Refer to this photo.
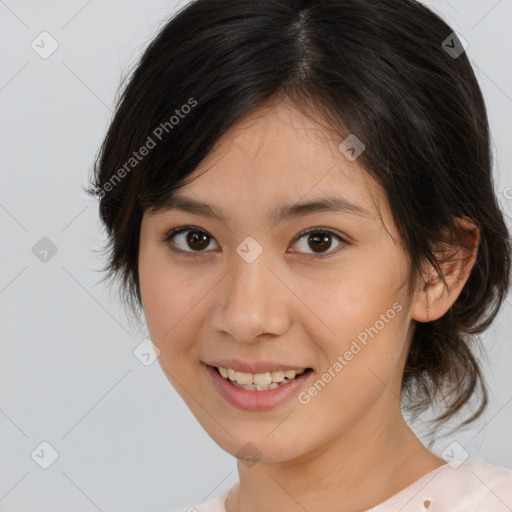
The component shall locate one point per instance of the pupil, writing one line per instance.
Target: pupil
(196, 234)
(323, 239)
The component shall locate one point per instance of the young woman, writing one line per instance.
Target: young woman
(299, 197)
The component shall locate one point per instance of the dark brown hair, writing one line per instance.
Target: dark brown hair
(384, 70)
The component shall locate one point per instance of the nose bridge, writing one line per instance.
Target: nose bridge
(251, 302)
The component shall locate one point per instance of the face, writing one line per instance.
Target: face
(313, 288)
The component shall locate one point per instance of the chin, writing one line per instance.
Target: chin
(256, 444)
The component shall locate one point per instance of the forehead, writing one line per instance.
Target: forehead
(276, 165)
(277, 152)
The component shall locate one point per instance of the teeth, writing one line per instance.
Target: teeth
(252, 387)
(259, 381)
(278, 376)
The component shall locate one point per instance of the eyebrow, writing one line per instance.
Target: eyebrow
(277, 215)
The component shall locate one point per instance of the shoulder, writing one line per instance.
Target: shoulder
(212, 505)
(471, 486)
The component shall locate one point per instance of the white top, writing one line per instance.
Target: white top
(473, 486)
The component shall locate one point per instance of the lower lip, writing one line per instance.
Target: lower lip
(256, 400)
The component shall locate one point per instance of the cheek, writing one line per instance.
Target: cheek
(352, 305)
(167, 297)
(365, 339)
(166, 314)
(356, 376)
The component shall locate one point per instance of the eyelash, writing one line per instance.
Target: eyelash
(183, 229)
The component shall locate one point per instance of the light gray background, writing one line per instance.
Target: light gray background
(125, 440)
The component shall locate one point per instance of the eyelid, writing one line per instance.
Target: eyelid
(180, 229)
(321, 229)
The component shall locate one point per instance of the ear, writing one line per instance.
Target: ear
(433, 298)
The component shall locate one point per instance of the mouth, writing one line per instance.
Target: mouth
(260, 381)
(260, 391)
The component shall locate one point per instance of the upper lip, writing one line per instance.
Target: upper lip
(254, 366)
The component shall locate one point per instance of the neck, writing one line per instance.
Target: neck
(361, 468)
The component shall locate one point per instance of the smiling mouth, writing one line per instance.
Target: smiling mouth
(260, 381)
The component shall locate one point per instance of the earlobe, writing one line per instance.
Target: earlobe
(426, 298)
(421, 312)
(457, 261)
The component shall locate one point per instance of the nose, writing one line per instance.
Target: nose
(252, 301)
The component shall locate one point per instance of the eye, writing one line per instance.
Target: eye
(194, 237)
(320, 239)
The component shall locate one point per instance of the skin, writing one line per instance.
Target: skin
(350, 444)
